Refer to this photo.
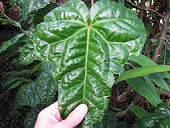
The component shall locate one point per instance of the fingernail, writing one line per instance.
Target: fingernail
(82, 108)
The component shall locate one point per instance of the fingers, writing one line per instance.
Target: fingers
(75, 117)
(52, 112)
(48, 116)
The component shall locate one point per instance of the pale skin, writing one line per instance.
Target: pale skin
(50, 117)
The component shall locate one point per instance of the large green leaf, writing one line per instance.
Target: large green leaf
(89, 47)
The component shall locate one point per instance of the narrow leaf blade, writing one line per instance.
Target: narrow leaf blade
(11, 80)
(10, 42)
(142, 71)
(9, 21)
(149, 82)
(159, 80)
(145, 61)
(139, 112)
(145, 90)
(14, 85)
(142, 60)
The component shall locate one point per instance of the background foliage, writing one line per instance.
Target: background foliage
(18, 80)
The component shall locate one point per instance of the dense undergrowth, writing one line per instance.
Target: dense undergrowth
(139, 97)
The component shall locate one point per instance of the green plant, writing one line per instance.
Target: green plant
(16, 77)
(89, 48)
(39, 93)
(85, 50)
(36, 89)
(159, 119)
(147, 78)
(150, 71)
(28, 7)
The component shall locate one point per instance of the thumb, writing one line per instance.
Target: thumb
(75, 117)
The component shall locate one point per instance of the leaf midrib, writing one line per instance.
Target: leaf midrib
(85, 68)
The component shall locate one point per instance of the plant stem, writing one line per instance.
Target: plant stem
(163, 34)
(124, 94)
(133, 103)
(146, 9)
(164, 56)
(142, 11)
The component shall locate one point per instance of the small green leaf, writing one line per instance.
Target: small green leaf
(140, 86)
(159, 80)
(21, 89)
(137, 72)
(149, 27)
(9, 21)
(10, 42)
(145, 61)
(11, 80)
(29, 6)
(14, 85)
(154, 40)
(142, 60)
(149, 82)
(139, 112)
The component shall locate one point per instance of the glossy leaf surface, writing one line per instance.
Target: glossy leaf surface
(29, 6)
(89, 47)
(159, 119)
(42, 91)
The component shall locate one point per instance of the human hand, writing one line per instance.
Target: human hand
(50, 117)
